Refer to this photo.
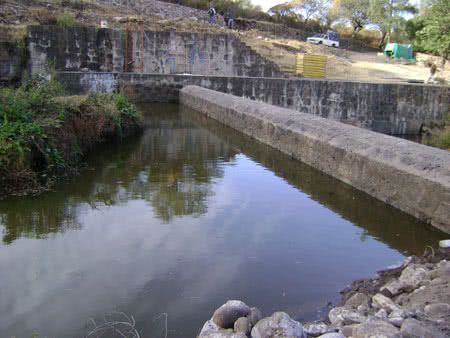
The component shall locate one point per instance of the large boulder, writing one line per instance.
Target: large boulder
(255, 315)
(211, 330)
(279, 325)
(228, 313)
(341, 315)
(316, 329)
(377, 328)
(380, 301)
(243, 325)
(358, 300)
(411, 278)
(412, 328)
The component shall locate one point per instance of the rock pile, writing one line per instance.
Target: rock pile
(235, 319)
(411, 301)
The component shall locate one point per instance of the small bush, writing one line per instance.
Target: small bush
(66, 19)
(43, 16)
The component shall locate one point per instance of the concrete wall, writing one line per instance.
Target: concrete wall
(92, 49)
(10, 62)
(409, 176)
(396, 109)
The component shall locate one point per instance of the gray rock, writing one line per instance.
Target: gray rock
(209, 327)
(332, 335)
(411, 278)
(442, 270)
(316, 329)
(211, 330)
(445, 244)
(413, 274)
(381, 314)
(396, 319)
(373, 328)
(357, 300)
(243, 325)
(437, 310)
(412, 328)
(348, 330)
(223, 334)
(228, 313)
(255, 315)
(279, 325)
(339, 315)
(380, 301)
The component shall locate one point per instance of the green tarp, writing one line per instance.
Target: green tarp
(398, 50)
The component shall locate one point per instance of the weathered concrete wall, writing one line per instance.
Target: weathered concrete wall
(74, 49)
(10, 62)
(92, 49)
(396, 109)
(409, 176)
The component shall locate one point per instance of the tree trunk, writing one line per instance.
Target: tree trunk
(383, 37)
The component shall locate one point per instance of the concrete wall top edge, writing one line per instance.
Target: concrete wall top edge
(291, 79)
(411, 157)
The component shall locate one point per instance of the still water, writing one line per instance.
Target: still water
(180, 219)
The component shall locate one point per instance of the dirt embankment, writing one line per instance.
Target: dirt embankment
(43, 135)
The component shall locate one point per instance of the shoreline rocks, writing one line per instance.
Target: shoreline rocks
(411, 301)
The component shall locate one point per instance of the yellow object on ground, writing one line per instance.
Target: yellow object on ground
(312, 65)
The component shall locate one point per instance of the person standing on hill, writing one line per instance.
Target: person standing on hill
(212, 14)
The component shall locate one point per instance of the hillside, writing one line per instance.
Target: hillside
(278, 43)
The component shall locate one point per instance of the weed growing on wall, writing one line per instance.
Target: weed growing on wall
(66, 19)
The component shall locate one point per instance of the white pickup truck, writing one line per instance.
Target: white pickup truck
(330, 39)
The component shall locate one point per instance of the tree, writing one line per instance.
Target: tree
(354, 11)
(388, 15)
(281, 10)
(433, 34)
(311, 8)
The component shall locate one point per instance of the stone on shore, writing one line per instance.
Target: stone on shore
(279, 325)
(243, 325)
(332, 335)
(228, 313)
(255, 315)
(341, 315)
(375, 328)
(412, 328)
(316, 329)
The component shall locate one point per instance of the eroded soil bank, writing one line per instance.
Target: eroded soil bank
(44, 134)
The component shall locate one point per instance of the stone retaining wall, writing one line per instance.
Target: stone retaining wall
(93, 49)
(411, 177)
(396, 109)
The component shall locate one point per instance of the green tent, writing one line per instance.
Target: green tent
(398, 50)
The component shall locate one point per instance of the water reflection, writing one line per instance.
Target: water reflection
(376, 219)
(181, 218)
(171, 165)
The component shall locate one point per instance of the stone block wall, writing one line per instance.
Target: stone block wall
(395, 109)
(74, 49)
(103, 50)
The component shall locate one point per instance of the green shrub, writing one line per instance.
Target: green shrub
(43, 134)
(66, 19)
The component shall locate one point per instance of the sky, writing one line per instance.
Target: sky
(266, 4)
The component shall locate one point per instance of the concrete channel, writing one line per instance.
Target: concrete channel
(411, 177)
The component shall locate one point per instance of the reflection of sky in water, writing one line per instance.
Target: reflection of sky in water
(256, 238)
